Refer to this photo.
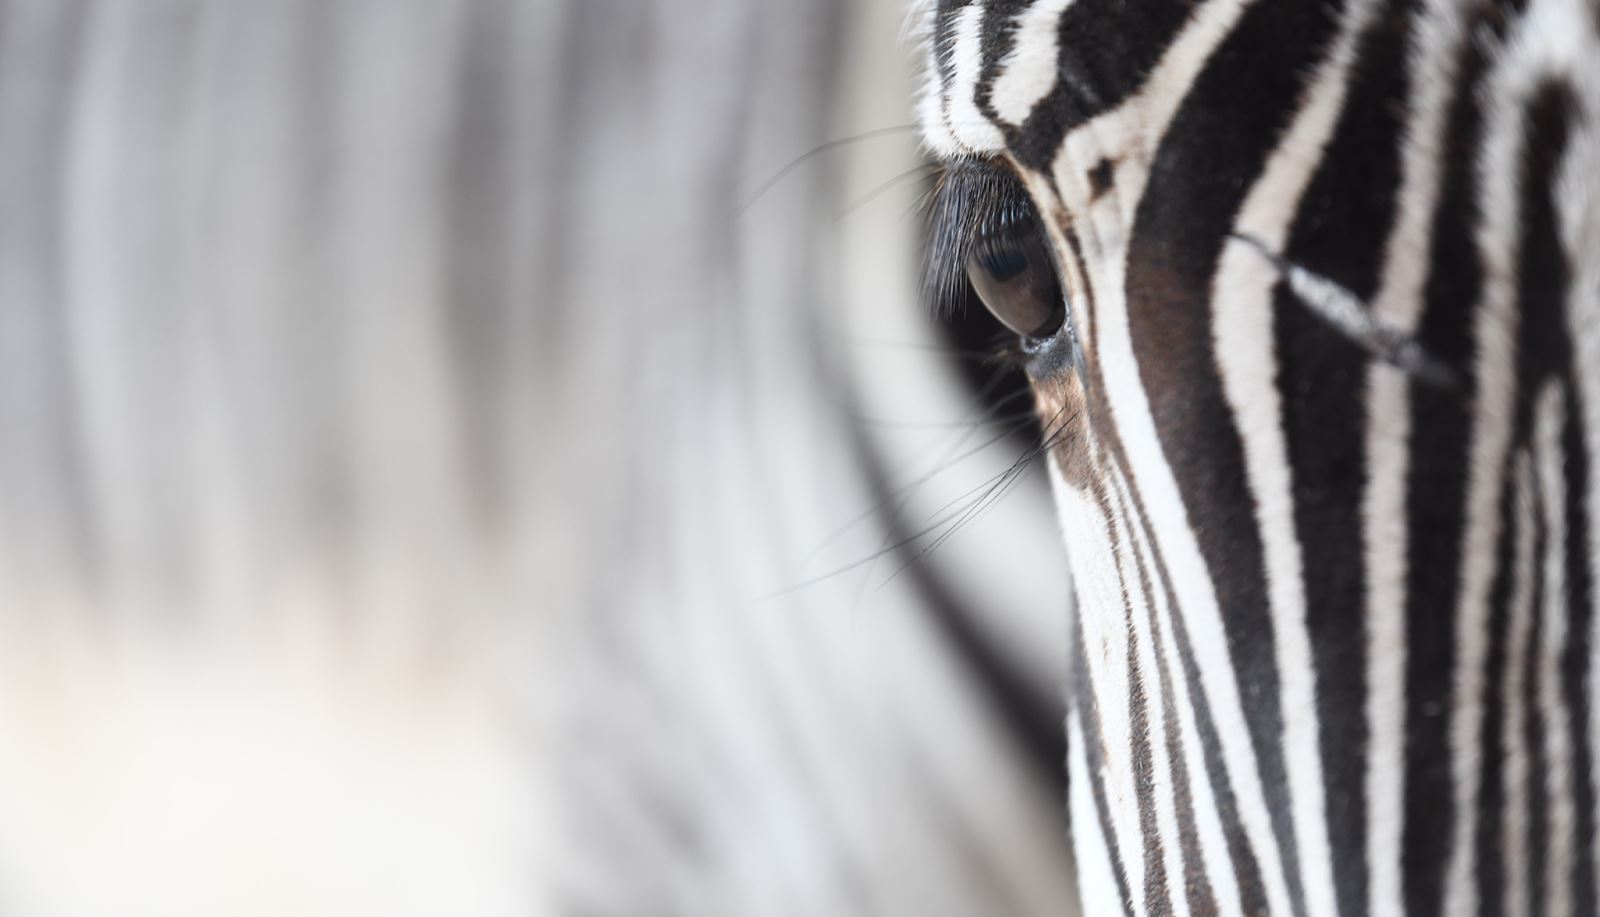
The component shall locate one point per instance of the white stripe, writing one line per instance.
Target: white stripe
(1218, 865)
(1514, 838)
(1385, 539)
(1554, 37)
(1135, 552)
(1097, 882)
(1197, 600)
(1105, 653)
(1560, 827)
(1246, 356)
(1129, 133)
(967, 124)
(1133, 127)
(1398, 303)
(1578, 200)
(1032, 68)
(1495, 333)
(922, 26)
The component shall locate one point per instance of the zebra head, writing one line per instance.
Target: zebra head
(1309, 295)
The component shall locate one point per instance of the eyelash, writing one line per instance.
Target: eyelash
(971, 199)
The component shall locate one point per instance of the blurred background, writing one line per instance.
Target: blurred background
(487, 457)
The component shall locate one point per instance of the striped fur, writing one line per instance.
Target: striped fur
(1334, 272)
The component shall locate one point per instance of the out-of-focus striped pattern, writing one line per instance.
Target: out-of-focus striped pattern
(397, 432)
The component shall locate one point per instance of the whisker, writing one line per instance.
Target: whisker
(998, 489)
(915, 172)
(818, 150)
(1014, 419)
(894, 501)
(997, 486)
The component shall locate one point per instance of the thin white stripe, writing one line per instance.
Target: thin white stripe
(1514, 838)
(1578, 199)
(1105, 650)
(1130, 129)
(970, 127)
(1560, 828)
(1197, 600)
(923, 27)
(1097, 882)
(1218, 865)
(1144, 645)
(1553, 37)
(1495, 333)
(1128, 134)
(1384, 512)
(1399, 303)
(1246, 356)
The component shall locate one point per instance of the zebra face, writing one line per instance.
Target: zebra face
(1321, 399)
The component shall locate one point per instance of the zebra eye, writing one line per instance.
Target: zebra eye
(1012, 272)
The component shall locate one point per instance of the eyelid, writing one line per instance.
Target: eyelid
(970, 197)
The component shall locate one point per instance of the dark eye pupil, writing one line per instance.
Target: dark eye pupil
(1012, 273)
(1004, 264)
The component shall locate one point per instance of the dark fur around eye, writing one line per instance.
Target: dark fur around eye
(971, 199)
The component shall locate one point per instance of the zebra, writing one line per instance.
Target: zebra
(1309, 297)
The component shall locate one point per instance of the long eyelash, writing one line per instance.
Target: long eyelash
(970, 199)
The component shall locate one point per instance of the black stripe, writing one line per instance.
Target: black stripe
(1083, 298)
(999, 36)
(1108, 48)
(1543, 288)
(1212, 153)
(1489, 864)
(1532, 736)
(1542, 350)
(1141, 755)
(1093, 741)
(1252, 891)
(1197, 886)
(1436, 491)
(1545, 348)
(1341, 232)
(1575, 656)
(1247, 871)
(1143, 761)
(942, 40)
(1544, 345)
